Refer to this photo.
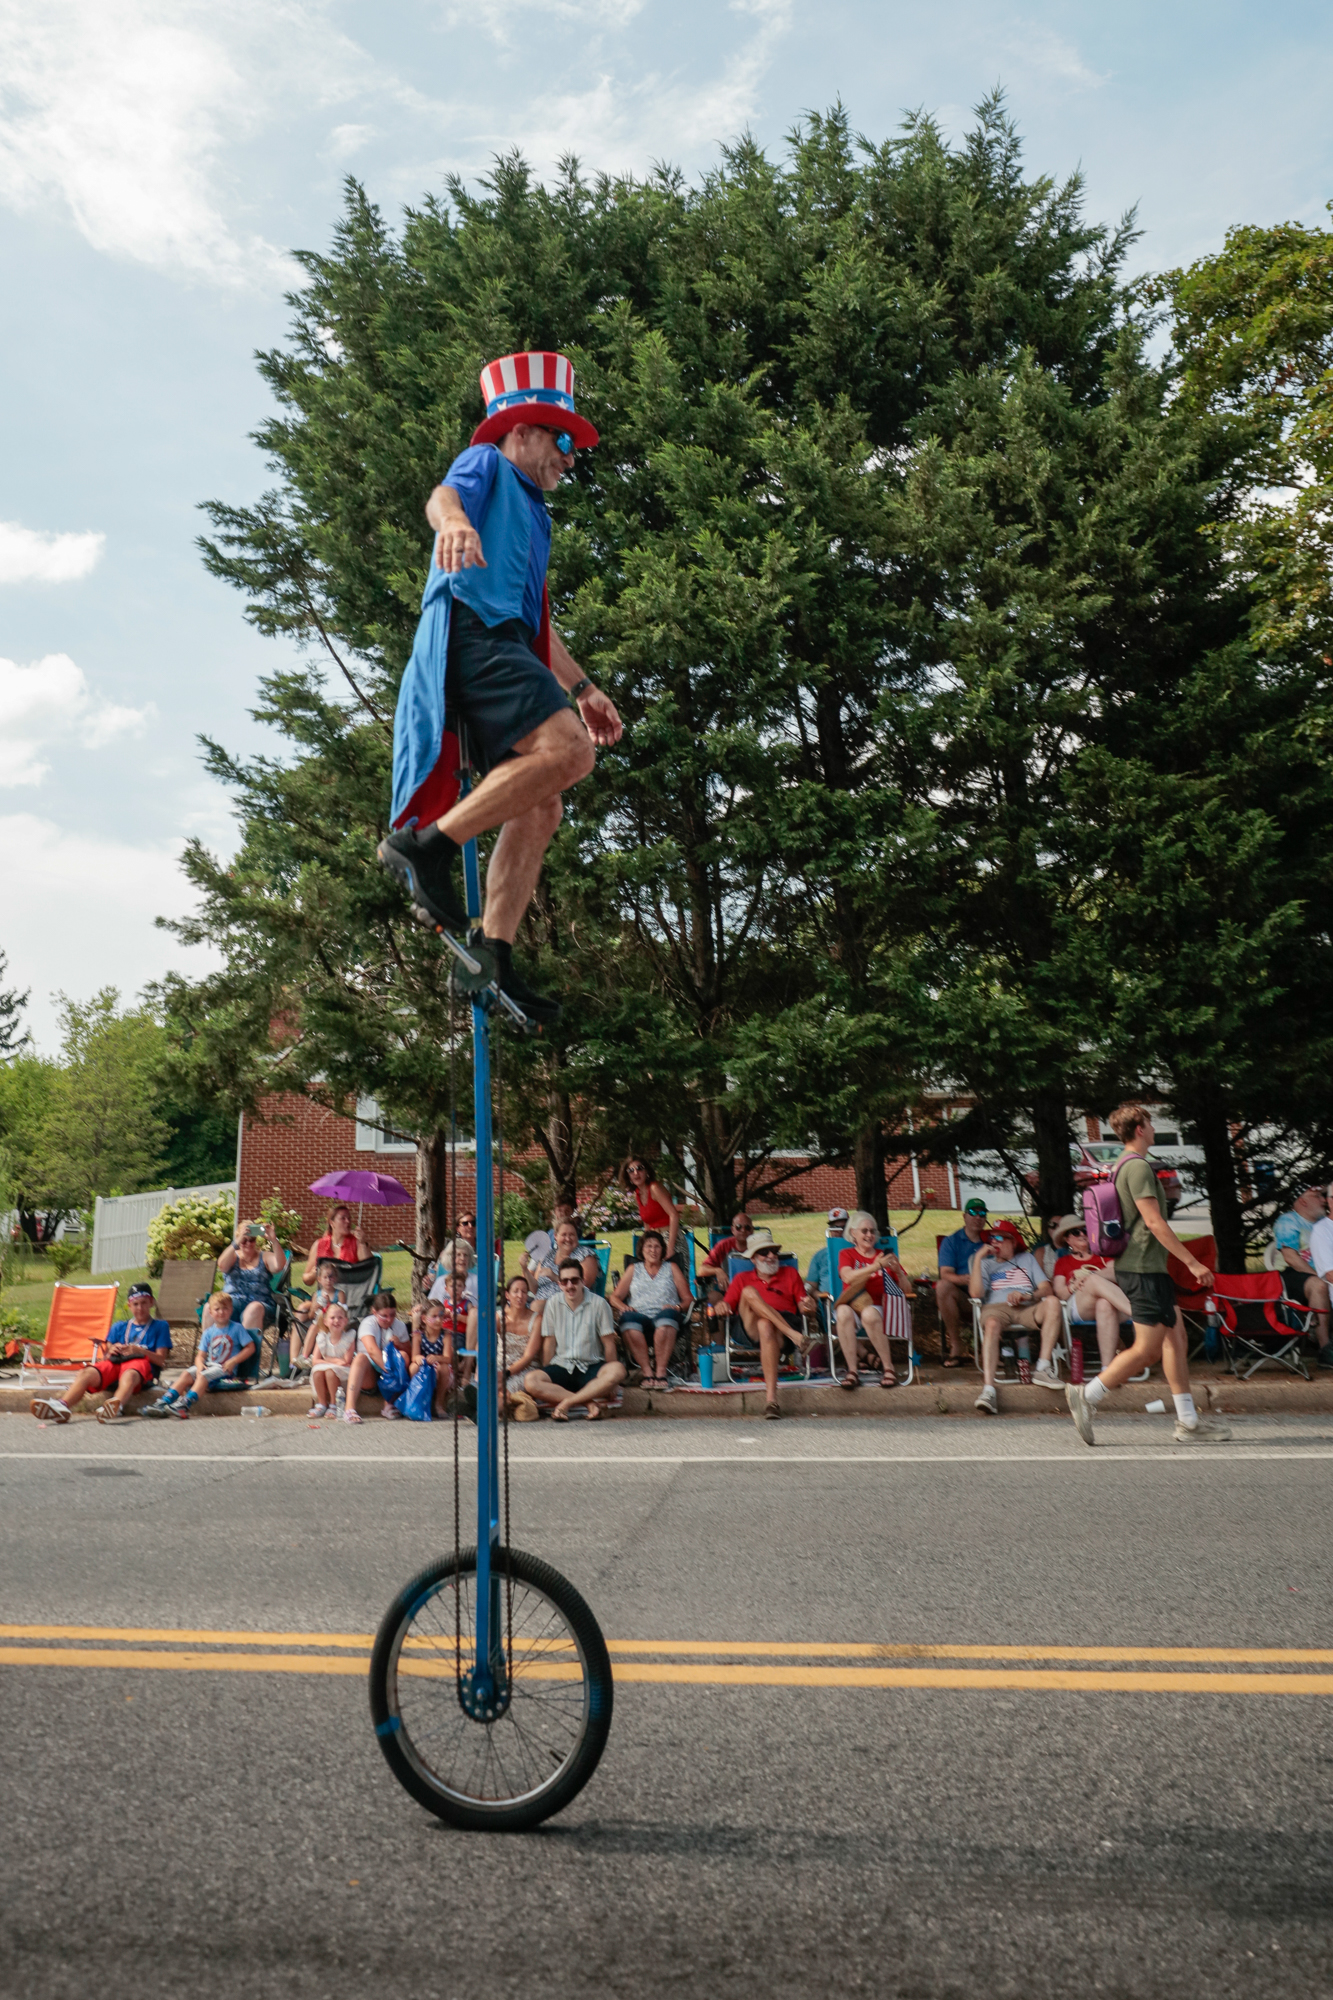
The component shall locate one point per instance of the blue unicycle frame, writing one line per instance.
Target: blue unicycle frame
(486, 1685)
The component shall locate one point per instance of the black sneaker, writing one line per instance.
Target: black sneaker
(425, 867)
(537, 1006)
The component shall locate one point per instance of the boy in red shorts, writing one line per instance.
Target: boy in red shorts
(135, 1351)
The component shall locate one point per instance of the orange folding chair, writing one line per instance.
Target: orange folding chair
(76, 1330)
(1256, 1313)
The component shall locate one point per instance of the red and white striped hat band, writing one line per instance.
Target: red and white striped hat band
(530, 388)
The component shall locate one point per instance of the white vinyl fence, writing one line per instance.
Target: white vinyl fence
(120, 1223)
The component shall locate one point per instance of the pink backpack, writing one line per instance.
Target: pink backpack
(1103, 1214)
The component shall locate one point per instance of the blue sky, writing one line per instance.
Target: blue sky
(159, 158)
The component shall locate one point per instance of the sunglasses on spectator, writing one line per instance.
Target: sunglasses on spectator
(564, 443)
(571, 1281)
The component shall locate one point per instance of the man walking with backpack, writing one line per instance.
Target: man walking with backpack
(1142, 1274)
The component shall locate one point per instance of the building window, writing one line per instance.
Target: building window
(373, 1135)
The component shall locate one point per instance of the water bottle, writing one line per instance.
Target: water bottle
(255, 1410)
(1075, 1360)
(1212, 1339)
(1006, 1361)
(1024, 1347)
(705, 1367)
(340, 1401)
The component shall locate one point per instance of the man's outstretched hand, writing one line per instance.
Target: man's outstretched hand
(458, 546)
(600, 718)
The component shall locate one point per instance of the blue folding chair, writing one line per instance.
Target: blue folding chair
(600, 1248)
(735, 1339)
(897, 1325)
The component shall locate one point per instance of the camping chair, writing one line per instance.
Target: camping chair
(1085, 1330)
(1254, 1309)
(182, 1289)
(897, 1311)
(740, 1349)
(600, 1248)
(686, 1334)
(359, 1282)
(76, 1335)
(1193, 1303)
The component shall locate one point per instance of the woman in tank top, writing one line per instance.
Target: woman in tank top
(657, 1210)
(652, 1293)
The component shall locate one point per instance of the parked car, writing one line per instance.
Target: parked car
(1093, 1158)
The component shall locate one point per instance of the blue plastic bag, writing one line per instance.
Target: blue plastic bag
(420, 1395)
(393, 1375)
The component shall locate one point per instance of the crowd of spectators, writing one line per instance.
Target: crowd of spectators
(566, 1346)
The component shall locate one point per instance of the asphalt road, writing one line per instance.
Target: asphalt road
(234, 1832)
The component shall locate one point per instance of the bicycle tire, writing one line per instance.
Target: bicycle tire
(436, 1752)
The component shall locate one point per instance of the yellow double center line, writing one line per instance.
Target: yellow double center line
(709, 1662)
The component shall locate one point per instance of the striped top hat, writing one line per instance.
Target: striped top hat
(531, 389)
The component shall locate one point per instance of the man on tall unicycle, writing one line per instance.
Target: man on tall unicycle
(486, 659)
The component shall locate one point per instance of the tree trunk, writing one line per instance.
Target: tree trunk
(715, 1164)
(1219, 1167)
(872, 1192)
(432, 1212)
(1055, 1168)
(557, 1142)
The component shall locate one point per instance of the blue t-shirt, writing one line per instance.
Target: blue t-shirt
(1292, 1232)
(221, 1343)
(957, 1252)
(817, 1276)
(472, 476)
(157, 1335)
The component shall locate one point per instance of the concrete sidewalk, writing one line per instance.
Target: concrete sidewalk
(935, 1393)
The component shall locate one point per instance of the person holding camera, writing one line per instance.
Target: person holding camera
(246, 1265)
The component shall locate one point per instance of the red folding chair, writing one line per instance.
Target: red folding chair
(1193, 1303)
(1255, 1314)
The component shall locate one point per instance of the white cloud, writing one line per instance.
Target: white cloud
(1033, 46)
(49, 702)
(624, 116)
(85, 917)
(123, 114)
(345, 140)
(29, 556)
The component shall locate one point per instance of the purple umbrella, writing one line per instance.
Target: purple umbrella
(380, 1190)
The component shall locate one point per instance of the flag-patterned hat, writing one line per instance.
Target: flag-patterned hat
(531, 389)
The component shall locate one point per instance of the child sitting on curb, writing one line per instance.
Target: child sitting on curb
(223, 1345)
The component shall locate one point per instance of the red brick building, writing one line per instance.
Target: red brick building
(295, 1142)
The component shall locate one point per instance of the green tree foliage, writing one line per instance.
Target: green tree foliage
(960, 747)
(101, 1133)
(12, 1002)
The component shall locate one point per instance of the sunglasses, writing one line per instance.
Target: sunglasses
(571, 1281)
(564, 443)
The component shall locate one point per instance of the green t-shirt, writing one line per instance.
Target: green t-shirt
(1142, 1251)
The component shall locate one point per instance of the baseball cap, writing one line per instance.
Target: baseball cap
(140, 1291)
(1007, 1228)
(837, 1215)
(974, 1207)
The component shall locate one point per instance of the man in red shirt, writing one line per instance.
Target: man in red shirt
(767, 1298)
(712, 1272)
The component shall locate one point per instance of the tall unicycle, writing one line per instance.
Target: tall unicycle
(490, 1682)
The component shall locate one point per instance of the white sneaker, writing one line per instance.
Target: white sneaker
(1206, 1431)
(1080, 1410)
(1046, 1378)
(49, 1410)
(988, 1401)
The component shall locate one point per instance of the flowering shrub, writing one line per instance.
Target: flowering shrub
(614, 1208)
(286, 1221)
(193, 1228)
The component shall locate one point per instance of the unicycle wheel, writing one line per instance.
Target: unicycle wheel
(514, 1771)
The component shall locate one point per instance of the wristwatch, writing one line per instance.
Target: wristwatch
(579, 687)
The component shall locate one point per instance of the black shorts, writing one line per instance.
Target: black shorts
(573, 1379)
(495, 686)
(1151, 1295)
(1294, 1283)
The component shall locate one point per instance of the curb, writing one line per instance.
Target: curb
(935, 1394)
